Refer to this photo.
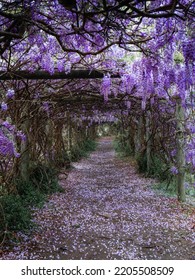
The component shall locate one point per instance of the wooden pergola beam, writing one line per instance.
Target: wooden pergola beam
(43, 75)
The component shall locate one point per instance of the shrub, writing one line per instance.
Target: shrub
(142, 162)
(90, 145)
(63, 160)
(30, 194)
(122, 149)
(83, 149)
(15, 209)
(166, 188)
(44, 179)
(15, 215)
(159, 169)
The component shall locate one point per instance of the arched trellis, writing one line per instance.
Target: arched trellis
(65, 114)
(38, 37)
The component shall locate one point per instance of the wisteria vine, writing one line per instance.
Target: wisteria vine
(150, 46)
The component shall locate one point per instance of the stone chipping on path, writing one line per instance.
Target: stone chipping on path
(108, 211)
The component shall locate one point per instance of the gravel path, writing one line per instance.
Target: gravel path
(108, 211)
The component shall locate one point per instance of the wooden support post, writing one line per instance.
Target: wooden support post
(49, 142)
(148, 141)
(69, 134)
(180, 156)
(25, 156)
(138, 135)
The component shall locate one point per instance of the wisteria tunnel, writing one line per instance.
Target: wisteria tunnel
(97, 104)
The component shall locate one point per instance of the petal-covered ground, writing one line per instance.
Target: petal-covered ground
(108, 211)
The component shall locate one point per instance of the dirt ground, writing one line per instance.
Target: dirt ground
(108, 211)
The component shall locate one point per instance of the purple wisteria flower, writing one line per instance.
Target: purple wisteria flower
(174, 170)
(67, 67)
(21, 135)
(17, 155)
(45, 106)
(4, 106)
(10, 93)
(173, 153)
(7, 147)
(9, 126)
(128, 104)
(192, 129)
(106, 87)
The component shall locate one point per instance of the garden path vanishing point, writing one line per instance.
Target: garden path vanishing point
(108, 211)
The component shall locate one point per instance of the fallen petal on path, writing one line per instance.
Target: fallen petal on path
(108, 211)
